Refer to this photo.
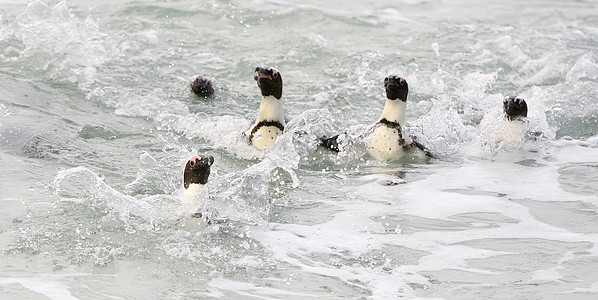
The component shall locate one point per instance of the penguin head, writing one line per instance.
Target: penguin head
(396, 88)
(514, 107)
(197, 170)
(269, 81)
(201, 86)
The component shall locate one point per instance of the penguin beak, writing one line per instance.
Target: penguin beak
(262, 73)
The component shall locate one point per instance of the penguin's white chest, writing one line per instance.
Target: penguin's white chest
(265, 137)
(503, 134)
(384, 143)
(512, 134)
(192, 195)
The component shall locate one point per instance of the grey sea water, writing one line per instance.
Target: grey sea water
(97, 122)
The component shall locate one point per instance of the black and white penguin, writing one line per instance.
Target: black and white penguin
(509, 130)
(201, 86)
(385, 140)
(197, 171)
(270, 121)
(514, 127)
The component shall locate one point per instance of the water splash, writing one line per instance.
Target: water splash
(442, 129)
(499, 134)
(83, 186)
(223, 132)
(51, 40)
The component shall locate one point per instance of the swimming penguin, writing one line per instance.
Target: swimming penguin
(270, 120)
(385, 140)
(507, 131)
(201, 86)
(513, 129)
(197, 171)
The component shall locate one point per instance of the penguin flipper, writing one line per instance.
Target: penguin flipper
(421, 147)
(247, 134)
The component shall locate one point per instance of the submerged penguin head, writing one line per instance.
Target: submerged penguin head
(197, 170)
(396, 88)
(269, 81)
(514, 107)
(201, 86)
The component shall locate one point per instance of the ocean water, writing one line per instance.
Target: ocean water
(97, 122)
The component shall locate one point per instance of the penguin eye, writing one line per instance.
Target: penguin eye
(274, 72)
(192, 163)
(505, 100)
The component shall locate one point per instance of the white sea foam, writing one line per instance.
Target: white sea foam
(592, 290)
(352, 231)
(47, 286)
(249, 290)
